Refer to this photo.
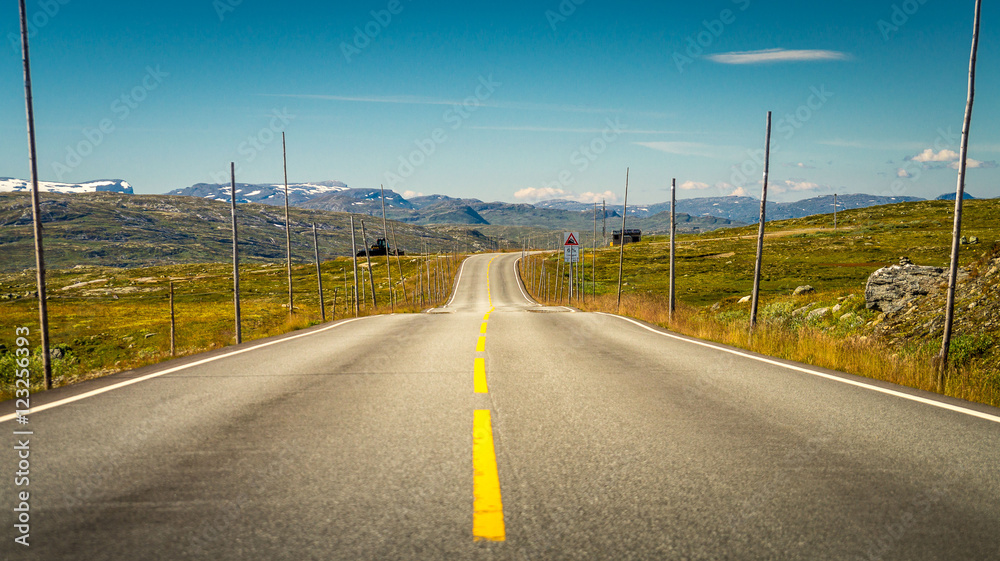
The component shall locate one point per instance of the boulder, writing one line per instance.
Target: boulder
(819, 313)
(803, 290)
(890, 289)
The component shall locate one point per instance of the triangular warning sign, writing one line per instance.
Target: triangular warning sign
(571, 240)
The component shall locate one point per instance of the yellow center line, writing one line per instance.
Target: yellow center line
(481, 345)
(482, 328)
(479, 376)
(487, 514)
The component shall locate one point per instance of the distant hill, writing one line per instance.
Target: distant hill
(741, 209)
(8, 184)
(118, 230)
(700, 214)
(951, 197)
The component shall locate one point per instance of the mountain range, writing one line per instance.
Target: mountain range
(694, 215)
(9, 184)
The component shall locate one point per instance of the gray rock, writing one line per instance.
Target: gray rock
(837, 308)
(818, 314)
(846, 317)
(889, 289)
(804, 309)
(803, 290)
(744, 300)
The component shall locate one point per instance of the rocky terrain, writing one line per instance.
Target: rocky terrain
(913, 298)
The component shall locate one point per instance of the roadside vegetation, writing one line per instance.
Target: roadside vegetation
(829, 326)
(104, 320)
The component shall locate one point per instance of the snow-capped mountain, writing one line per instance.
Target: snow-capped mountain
(8, 184)
(262, 193)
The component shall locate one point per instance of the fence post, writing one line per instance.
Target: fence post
(173, 324)
(236, 258)
(319, 277)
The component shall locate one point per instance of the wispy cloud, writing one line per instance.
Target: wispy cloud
(777, 55)
(417, 100)
(573, 130)
(689, 148)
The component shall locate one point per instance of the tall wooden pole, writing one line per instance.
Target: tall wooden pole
(420, 273)
(354, 256)
(388, 264)
(173, 324)
(593, 259)
(319, 276)
(834, 211)
(36, 211)
(672, 298)
(288, 228)
(621, 250)
(236, 258)
(368, 256)
(347, 293)
(399, 266)
(949, 316)
(760, 231)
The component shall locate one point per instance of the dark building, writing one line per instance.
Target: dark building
(632, 235)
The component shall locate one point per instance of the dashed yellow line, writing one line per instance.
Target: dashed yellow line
(487, 514)
(479, 376)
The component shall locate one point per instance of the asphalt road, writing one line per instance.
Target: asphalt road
(608, 439)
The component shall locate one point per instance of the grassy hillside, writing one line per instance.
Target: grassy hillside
(110, 229)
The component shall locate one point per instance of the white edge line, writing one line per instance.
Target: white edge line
(918, 399)
(517, 277)
(454, 289)
(99, 391)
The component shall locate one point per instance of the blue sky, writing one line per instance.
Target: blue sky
(507, 100)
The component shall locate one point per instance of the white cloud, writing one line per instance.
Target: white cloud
(902, 173)
(739, 192)
(411, 194)
(928, 155)
(777, 55)
(794, 185)
(693, 185)
(589, 197)
(973, 164)
(535, 194)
